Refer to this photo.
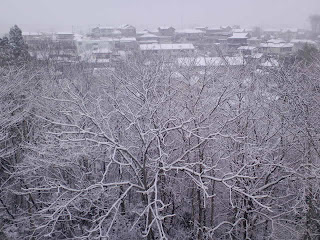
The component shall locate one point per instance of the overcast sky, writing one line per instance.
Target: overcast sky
(34, 15)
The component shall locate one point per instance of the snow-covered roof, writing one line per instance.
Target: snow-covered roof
(276, 41)
(142, 32)
(106, 28)
(257, 55)
(254, 39)
(148, 41)
(149, 35)
(90, 40)
(115, 32)
(238, 30)
(239, 35)
(31, 34)
(215, 29)
(246, 48)
(190, 31)
(64, 33)
(165, 27)
(173, 46)
(126, 26)
(272, 30)
(276, 45)
(128, 39)
(270, 63)
(201, 27)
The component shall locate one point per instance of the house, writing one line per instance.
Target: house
(88, 44)
(127, 30)
(201, 28)
(64, 46)
(276, 47)
(166, 31)
(237, 40)
(276, 40)
(102, 53)
(173, 49)
(101, 58)
(140, 33)
(31, 36)
(254, 41)
(189, 35)
(269, 63)
(32, 39)
(247, 50)
(64, 36)
(217, 35)
(126, 43)
(98, 32)
(148, 38)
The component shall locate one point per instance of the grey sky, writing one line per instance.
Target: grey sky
(33, 15)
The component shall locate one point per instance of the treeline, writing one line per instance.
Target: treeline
(153, 150)
(13, 49)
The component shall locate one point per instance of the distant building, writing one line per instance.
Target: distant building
(87, 45)
(29, 37)
(127, 30)
(126, 43)
(254, 41)
(166, 31)
(64, 36)
(276, 48)
(217, 35)
(237, 40)
(189, 35)
(98, 32)
(148, 38)
(248, 50)
(201, 28)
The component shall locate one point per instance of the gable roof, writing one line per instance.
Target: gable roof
(238, 35)
(190, 31)
(166, 28)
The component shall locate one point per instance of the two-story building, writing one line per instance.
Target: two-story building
(127, 30)
(189, 35)
(237, 40)
(166, 31)
(276, 47)
(148, 38)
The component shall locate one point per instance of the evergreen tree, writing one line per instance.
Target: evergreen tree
(5, 51)
(19, 49)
